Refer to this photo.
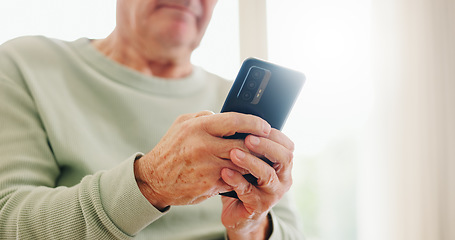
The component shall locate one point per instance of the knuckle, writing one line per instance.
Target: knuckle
(204, 125)
(268, 180)
(183, 117)
(185, 128)
(203, 148)
(291, 146)
(241, 119)
(196, 124)
(258, 124)
(205, 112)
(199, 150)
(235, 124)
(248, 190)
(287, 186)
(286, 182)
(235, 120)
(290, 157)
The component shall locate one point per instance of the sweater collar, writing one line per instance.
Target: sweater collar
(134, 79)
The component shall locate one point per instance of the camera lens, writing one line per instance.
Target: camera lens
(251, 84)
(247, 96)
(257, 74)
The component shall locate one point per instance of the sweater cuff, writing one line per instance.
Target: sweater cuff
(123, 201)
(276, 234)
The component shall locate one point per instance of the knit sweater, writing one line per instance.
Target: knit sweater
(72, 123)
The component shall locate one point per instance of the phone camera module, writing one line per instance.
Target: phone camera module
(257, 74)
(252, 84)
(247, 96)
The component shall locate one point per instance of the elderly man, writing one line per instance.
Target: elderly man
(72, 112)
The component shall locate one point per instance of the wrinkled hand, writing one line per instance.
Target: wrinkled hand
(246, 217)
(185, 166)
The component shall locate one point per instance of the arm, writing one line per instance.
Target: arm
(32, 207)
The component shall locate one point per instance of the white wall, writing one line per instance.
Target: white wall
(72, 19)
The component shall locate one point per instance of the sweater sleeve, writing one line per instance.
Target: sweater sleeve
(105, 205)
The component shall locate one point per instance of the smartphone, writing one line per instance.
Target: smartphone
(266, 90)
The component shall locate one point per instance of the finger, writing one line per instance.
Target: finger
(281, 156)
(222, 147)
(281, 138)
(222, 187)
(221, 164)
(185, 117)
(265, 174)
(204, 113)
(246, 191)
(227, 124)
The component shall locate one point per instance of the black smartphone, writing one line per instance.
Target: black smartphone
(266, 90)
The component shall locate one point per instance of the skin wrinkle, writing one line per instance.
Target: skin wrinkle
(182, 174)
(194, 8)
(194, 140)
(183, 168)
(269, 180)
(163, 50)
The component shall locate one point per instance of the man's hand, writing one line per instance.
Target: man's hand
(246, 217)
(185, 166)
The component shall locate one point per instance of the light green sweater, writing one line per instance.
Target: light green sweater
(71, 125)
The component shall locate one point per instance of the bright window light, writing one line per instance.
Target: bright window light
(328, 41)
(62, 19)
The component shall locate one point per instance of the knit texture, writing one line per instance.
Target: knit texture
(72, 123)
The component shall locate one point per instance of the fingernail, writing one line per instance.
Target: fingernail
(266, 128)
(239, 153)
(254, 140)
(229, 172)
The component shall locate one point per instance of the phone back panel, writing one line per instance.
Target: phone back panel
(265, 90)
(277, 98)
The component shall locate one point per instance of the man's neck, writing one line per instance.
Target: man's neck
(158, 62)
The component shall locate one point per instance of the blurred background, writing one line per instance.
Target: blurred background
(374, 126)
